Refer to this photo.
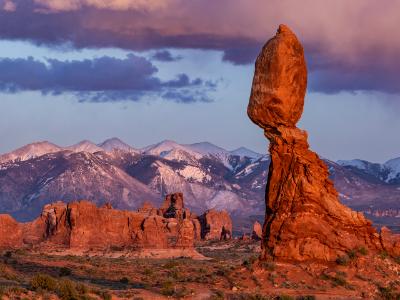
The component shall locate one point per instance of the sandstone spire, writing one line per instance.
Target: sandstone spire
(304, 218)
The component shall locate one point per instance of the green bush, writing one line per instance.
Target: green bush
(43, 282)
(285, 297)
(342, 260)
(363, 251)
(383, 255)
(66, 290)
(168, 288)
(352, 254)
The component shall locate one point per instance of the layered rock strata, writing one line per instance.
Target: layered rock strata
(304, 218)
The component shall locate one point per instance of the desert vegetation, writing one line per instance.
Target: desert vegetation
(231, 270)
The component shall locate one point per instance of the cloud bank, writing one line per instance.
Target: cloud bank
(100, 79)
(350, 45)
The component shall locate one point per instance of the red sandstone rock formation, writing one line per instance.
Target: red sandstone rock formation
(173, 206)
(10, 233)
(257, 231)
(216, 225)
(304, 218)
(82, 226)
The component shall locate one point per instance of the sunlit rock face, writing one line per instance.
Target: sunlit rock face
(304, 218)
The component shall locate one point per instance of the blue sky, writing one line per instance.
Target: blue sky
(193, 86)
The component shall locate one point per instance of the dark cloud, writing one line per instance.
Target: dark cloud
(345, 50)
(100, 79)
(243, 55)
(165, 56)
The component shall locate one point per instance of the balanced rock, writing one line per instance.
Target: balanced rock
(304, 218)
(216, 225)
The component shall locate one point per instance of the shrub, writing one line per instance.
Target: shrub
(44, 282)
(339, 280)
(217, 295)
(342, 260)
(65, 272)
(8, 254)
(103, 294)
(168, 288)
(66, 290)
(363, 251)
(388, 292)
(285, 297)
(383, 255)
(124, 280)
(352, 254)
(270, 266)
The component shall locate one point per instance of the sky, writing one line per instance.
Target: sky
(149, 70)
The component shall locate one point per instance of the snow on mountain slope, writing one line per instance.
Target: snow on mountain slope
(393, 166)
(30, 151)
(378, 171)
(209, 149)
(165, 147)
(357, 163)
(67, 176)
(116, 144)
(243, 151)
(84, 146)
(192, 173)
(183, 156)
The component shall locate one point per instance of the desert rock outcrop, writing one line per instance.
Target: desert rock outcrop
(304, 218)
(216, 225)
(257, 231)
(83, 226)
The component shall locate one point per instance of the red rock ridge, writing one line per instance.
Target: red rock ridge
(83, 226)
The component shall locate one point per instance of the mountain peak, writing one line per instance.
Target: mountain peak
(116, 144)
(85, 146)
(243, 151)
(29, 151)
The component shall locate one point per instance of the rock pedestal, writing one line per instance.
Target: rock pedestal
(304, 218)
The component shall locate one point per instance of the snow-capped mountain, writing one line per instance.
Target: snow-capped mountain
(243, 151)
(30, 151)
(85, 146)
(208, 175)
(116, 144)
(167, 146)
(393, 167)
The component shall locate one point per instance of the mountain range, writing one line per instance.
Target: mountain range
(208, 175)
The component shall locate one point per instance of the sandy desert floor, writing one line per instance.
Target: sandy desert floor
(231, 271)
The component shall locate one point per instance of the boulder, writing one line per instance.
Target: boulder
(304, 218)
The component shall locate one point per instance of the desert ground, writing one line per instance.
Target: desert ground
(228, 270)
